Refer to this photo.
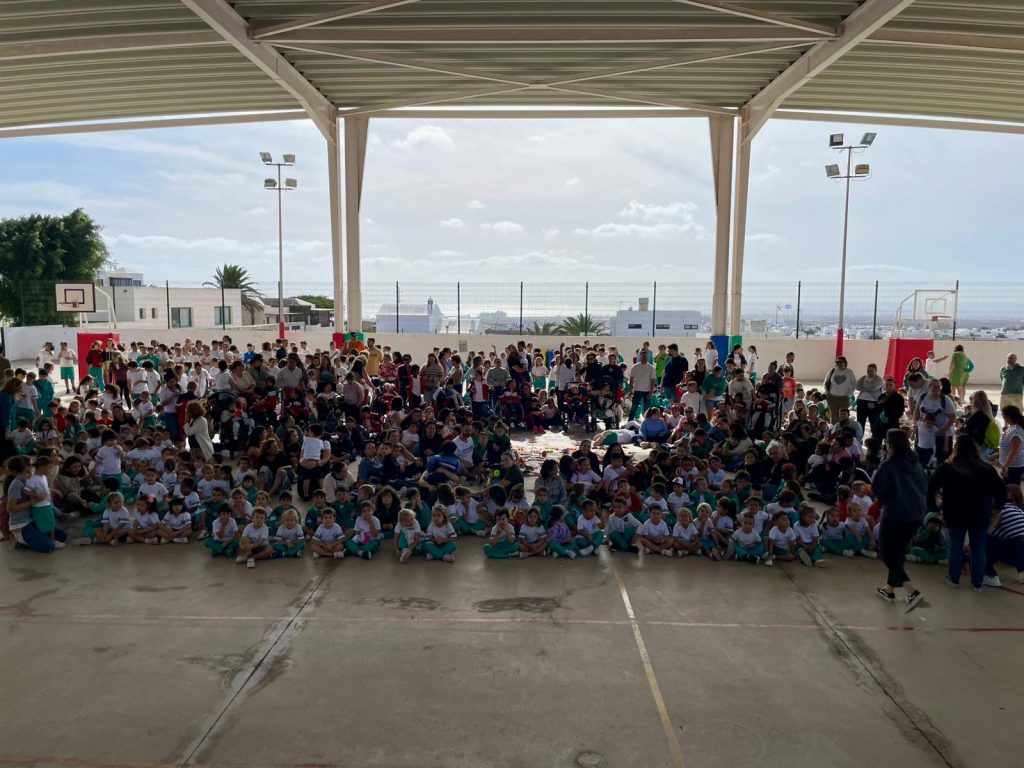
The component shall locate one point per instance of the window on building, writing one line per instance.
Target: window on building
(634, 326)
(152, 313)
(222, 315)
(662, 327)
(181, 317)
(142, 313)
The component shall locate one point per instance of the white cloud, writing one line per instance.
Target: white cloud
(425, 135)
(770, 238)
(551, 231)
(662, 229)
(504, 227)
(445, 254)
(475, 205)
(573, 182)
(652, 211)
(453, 223)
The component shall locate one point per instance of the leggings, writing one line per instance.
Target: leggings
(502, 550)
(562, 549)
(437, 551)
(224, 548)
(893, 538)
(355, 549)
(293, 551)
(596, 540)
(623, 540)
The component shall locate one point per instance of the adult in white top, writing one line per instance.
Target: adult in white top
(840, 384)
(641, 383)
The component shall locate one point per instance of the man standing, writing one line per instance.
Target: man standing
(641, 382)
(373, 358)
(1012, 376)
(675, 368)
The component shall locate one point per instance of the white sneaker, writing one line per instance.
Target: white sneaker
(647, 551)
(81, 541)
(151, 540)
(805, 558)
(299, 553)
(554, 555)
(587, 551)
(202, 534)
(339, 555)
(241, 559)
(448, 558)
(404, 557)
(480, 534)
(429, 556)
(848, 553)
(869, 553)
(181, 540)
(666, 553)
(523, 555)
(991, 581)
(250, 563)
(572, 555)
(769, 562)
(59, 545)
(113, 542)
(316, 555)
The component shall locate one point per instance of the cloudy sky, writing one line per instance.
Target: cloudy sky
(534, 200)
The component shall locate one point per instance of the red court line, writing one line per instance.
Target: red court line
(1012, 591)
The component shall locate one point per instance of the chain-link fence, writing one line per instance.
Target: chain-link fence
(557, 306)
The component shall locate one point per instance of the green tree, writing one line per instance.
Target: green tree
(545, 329)
(37, 251)
(232, 276)
(320, 302)
(581, 325)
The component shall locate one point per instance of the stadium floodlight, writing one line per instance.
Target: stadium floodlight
(266, 158)
(270, 183)
(289, 160)
(832, 171)
(835, 140)
(291, 183)
(280, 186)
(862, 169)
(868, 139)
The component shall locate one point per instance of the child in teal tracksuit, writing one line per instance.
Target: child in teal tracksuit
(289, 539)
(502, 544)
(440, 541)
(408, 535)
(929, 545)
(560, 539)
(224, 540)
(366, 533)
(622, 527)
(589, 530)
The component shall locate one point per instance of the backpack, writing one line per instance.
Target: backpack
(992, 435)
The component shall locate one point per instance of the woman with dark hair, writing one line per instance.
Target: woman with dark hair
(1006, 537)
(900, 486)
(1011, 445)
(960, 368)
(551, 479)
(971, 491)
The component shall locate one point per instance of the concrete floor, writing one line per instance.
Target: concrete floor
(147, 656)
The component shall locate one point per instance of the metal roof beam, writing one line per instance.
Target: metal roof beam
(695, 58)
(373, 110)
(869, 17)
(139, 125)
(909, 122)
(630, 98)
(540, 35)
(337, 14)
(405, 63)
(765, 16)
(903, 37)
(77, 46)
(224, 20)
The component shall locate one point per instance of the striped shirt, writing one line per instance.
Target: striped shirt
(1011, 523)
(1005, 439)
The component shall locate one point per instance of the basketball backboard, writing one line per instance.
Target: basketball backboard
(75, 297)
(931, 304)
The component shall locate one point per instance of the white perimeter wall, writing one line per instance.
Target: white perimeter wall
(813, 356)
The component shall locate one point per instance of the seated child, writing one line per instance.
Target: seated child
(329, 538)
(589, 530)
(685, 536)
(654, 534)
(440, 541)
(929, 545)
(408, 535)
(502, 543)
(745, 543)
(560, 539)
(176, 525)
(781, 540)
(112, 528)
(255, 542)
(366, 533)
(808, 536)
(224, 540)
(145, 523)
(289, 539)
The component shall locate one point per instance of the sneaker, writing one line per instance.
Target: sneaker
(203, 534)
(316, 555)
(666, 553)
(59, 545)
(151, 540)
(429, 556)
(716, 555)
(804, 558)
(299, 553)
(241, 559)
(951, 583)
(757, 560)
(848, 553)
(769, 562)
(587, 551)
(129, 540)
(992, 581)
(912, 559)
(340, 554)
(181, 540)
(369, 555)
(250, 563)
(113, 542)
(523, 555)
(886, 595)
(914, 600)
(404, 557)
(571, 554)
(480, 534)
(869, 553)
(448, 558)
(81, 541)
(554, 555)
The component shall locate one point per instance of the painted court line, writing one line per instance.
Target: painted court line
(652, 681)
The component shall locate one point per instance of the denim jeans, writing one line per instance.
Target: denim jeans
(978, 532)
(39, 541)
(641, 401)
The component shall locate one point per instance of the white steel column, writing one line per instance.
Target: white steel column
(356, 128)
(739, 233)
(337, 260)
(722, 146)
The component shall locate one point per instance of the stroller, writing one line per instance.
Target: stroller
(766, 412)
(263, 409)
(577, 407)
(294, 404)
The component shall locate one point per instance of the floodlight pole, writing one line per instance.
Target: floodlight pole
(842, 270)
(280, 189)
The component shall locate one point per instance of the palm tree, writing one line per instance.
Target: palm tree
(581, 325)
(232, 276)
(546, 329)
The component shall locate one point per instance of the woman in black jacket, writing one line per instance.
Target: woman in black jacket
(900, 485)
(891, 407)
(971, 491)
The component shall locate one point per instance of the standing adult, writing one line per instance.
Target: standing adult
(931, 364)
(641, 382)
(891, 407)
(971, 491)
(901, 487)
(934, 404)
(840, 384)
(960, 367)
(197, 431)
(1012, 390)
(1011, 445)
(870, 387)
(675, 368)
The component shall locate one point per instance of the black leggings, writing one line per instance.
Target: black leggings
(894, 536)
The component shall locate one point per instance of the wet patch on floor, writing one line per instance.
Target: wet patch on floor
(29, 574)
(525, 604)
(158, 589)
(401, 603)
(590, 760)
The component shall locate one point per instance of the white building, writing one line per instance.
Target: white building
(136, 305)
(412, 318)
(667, 323)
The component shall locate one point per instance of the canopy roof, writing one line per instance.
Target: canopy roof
(77, 60)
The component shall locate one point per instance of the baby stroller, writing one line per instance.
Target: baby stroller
(330, 412)
(766, 412)
(294, 404)
(577, 407)
(264, 408)
(606, 409)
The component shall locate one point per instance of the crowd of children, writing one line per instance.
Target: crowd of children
(267, 454)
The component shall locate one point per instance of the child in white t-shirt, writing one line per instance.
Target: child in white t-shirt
(289, 539)
(408, 535)
(808, 536)
(533, 538)
(678, 498)
(685, 537)
(255, 543)
(366, 533)
(329, 537)
(146, 522)
(589, 530)
(745, 543)
(112, 528)
(861, 536)
(781, 540)
(539, 373)
(224, 540)
(654, 534)
(440, 540)
(176, 525)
